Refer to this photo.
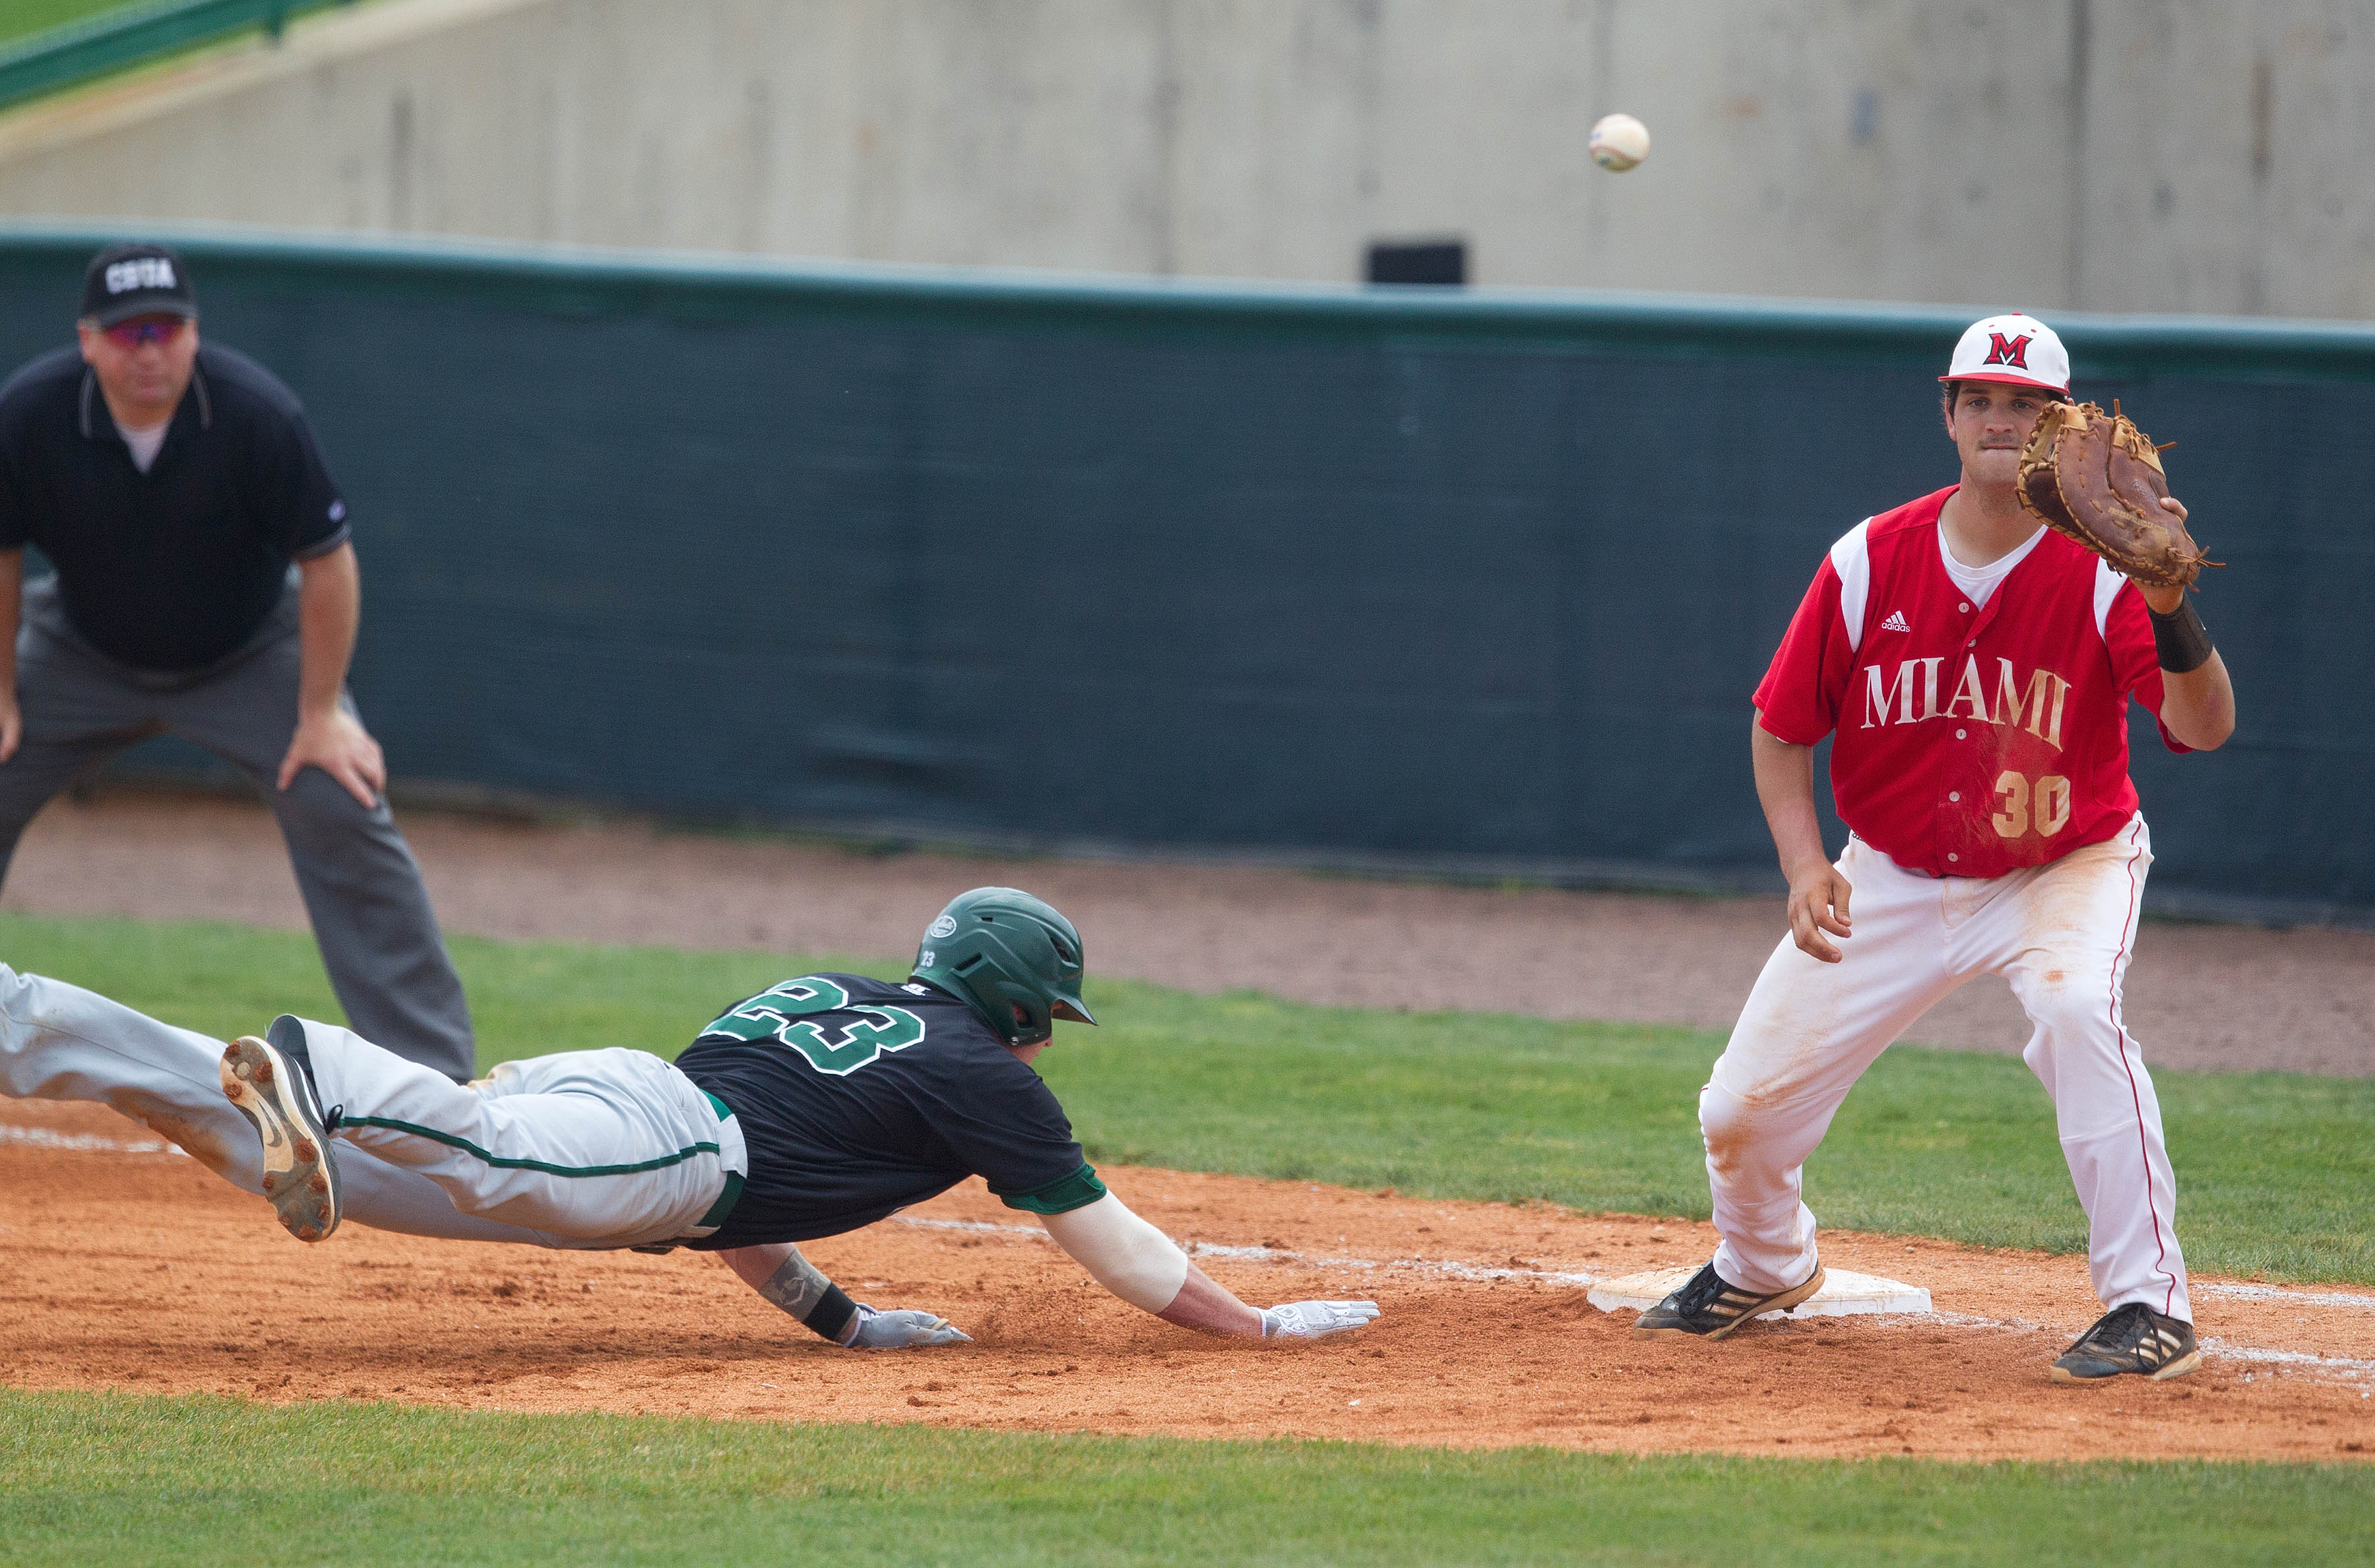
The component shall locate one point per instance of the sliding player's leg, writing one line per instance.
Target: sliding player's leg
(612, 1148)
(60, 1041)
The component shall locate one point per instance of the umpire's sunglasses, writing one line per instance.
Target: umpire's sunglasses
(148, 329)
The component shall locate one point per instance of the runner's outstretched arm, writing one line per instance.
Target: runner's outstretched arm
(1146, 1268)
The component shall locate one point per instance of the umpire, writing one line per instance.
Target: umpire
(205, 587)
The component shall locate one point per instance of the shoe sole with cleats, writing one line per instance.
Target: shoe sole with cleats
(1781, 1302)
(265, 1089)
(2189, 1361)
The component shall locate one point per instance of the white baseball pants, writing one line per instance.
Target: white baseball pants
(60, 1041)
(2062, 933)
(586, 1149)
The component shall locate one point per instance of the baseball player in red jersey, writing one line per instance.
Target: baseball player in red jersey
(1974, 670)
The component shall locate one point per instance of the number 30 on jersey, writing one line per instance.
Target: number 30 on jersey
(2021, 805)
(839, 1048)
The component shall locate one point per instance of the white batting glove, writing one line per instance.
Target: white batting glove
(1315, 1320)
(901, 1330)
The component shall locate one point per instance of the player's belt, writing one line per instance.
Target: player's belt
(732, 1193)
(727, 1195)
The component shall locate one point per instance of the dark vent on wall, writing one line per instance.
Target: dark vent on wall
(1418, 261)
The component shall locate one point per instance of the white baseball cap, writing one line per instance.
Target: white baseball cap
(2016, 348)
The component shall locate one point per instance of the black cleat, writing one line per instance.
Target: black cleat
(1708, 1309)
(2130, 1339)
(271, 1083)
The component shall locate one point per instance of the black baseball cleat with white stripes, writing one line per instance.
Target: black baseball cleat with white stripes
(2130, 1339)
(1709, 1308)
(271, 1082)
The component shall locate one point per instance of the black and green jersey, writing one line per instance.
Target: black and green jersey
(859, 1098)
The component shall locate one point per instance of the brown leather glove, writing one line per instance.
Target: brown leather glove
(2097, 479)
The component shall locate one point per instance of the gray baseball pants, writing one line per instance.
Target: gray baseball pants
(379, 938)
(60, 1041)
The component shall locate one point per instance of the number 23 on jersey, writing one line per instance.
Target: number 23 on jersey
(840, 1046)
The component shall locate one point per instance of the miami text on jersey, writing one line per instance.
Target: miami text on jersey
(2034, 705)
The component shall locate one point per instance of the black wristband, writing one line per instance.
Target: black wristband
(830, 1317)
(2180, 638)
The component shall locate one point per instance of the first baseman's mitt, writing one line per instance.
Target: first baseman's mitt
(2097, 479)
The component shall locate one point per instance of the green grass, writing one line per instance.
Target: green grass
(2274, 1170)
(21, 18)
(527, 999)
(200, 1480)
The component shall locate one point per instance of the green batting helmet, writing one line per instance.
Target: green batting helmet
(1014, 958)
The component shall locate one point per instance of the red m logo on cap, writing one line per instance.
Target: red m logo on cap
(2003, 350)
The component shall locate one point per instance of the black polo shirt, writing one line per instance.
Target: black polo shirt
(173, 569)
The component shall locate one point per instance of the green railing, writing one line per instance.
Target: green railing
(1476, 581)
(63, 56)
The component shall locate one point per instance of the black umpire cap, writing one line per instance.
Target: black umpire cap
(123, 281)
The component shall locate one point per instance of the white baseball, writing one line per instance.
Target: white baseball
(1619, 142)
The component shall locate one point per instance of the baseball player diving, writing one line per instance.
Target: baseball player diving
(1973, 668)
(818, 1106)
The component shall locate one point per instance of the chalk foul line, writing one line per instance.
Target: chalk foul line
(2278, 1293)
(1449, 1268)
(87, 1143)
(2351, 1368)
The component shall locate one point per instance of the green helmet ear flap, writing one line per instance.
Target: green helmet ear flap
(1015, 958)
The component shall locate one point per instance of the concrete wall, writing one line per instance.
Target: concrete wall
(2171, 155)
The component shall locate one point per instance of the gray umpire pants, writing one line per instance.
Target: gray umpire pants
(372, 919)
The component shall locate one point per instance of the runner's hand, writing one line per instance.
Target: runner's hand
(1315, 1320)
(902, 1329)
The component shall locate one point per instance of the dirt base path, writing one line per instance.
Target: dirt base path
(129, 1266)
(2200, 996)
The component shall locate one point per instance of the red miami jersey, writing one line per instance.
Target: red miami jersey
(1971, 741)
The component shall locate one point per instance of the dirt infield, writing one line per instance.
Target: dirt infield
(2200, 996)
(124, 1265)
(128, 1267)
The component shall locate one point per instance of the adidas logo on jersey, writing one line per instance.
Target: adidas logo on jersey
(1896, 622)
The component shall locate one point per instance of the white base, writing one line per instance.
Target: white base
(1844, 1292)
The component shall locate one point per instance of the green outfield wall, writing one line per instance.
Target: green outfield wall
(1481, 582)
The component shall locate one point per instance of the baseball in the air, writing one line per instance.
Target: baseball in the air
(1619, 142)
